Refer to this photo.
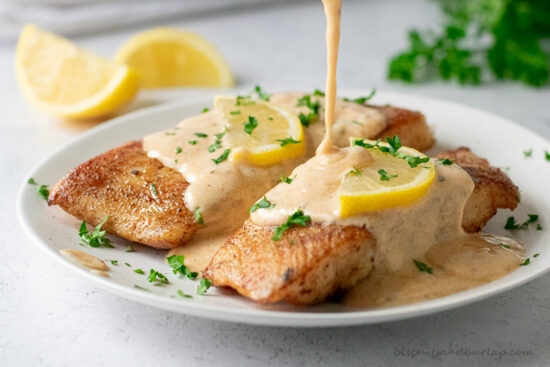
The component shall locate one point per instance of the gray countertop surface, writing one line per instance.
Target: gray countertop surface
(50, 316)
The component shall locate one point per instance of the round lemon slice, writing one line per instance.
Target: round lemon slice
(58, 77)
(389, 182)
(259, 132)
(167, 57)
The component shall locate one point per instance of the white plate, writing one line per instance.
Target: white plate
(490, 136)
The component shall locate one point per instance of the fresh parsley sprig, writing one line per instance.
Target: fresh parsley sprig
(298, 218)
(511, 224)
(222, 157)
(262, 204)
(362, 100)
(97, 237)
(394, 145)
(423, 267)
(250, 125)
(203, 286)
(157, 277)
(176, 262)
(287, 141)
(384, 175)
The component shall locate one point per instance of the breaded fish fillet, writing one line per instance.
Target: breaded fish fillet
(310, 263)
(119, 183)
(106, 185)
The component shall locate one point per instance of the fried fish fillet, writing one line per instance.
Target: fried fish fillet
(310, 263)
(143, 198)
(118, 183)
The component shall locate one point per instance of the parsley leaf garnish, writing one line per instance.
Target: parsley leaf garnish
(287, 141)
(318, 92)
(287, 180)
(511, 224)
(142, 288)
(221, 135)
(423, 267)
(178, 150)
(203, 286)
(192, 142)
(547, 155)
(182, 294)
(392, 149)
(446, 161)
(222, 157)
(129, 248)
(198, 216)
(362, 100)
(31, 181)
(384, 175)
(262, 204)
(528, 153)
(250, 125)
(216, 145)
(201, 135)
(298, 218)
(526, 262)
(97, 237)
(176, 262)
(155, 276)
(305, 119)
(261, 94)
(205, 109)
(154, 190)
(139, 271)
(355, 172)
(235, 112)
(43, 191)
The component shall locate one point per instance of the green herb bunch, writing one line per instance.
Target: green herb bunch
(508, 37)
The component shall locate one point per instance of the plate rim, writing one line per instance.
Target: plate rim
(260, 316)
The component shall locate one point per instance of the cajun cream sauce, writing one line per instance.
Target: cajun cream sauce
(429, 230)
(96, 266)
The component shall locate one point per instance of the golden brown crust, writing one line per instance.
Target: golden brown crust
(493, 189)
(118, 183)
(306, 266)
(410, 126)
(325, 259)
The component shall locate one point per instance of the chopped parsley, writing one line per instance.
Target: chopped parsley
(139, 271)
(192, 142)
(536, 255)
(43, 191)
(305, 119)
(287, 180)
(205, 110)
(176, 262)
(178, 150)
(221, 135)
(222, 157)
(198, 216)
(445, 161)
(113, 262)
(180, 292)
(511, 224)
(298, 218)
(384, 175)
(392, 149)
(262, 204)
(142, 288)
(203, 286)
(261, 94)
(154, 190)
(201, 135)
(362, 100)
(528, 153)
(128, 265)
(318, 92)
(287, 141)
(539, 227)
(356, 122)
(526, 262)
(355, 172)
(547, 155)
(250, 125)
(155, 276)
(504, 245)
(216, 145)
(243, 101)
(423, 267)
(237, 112)
(170, 133)
(97, 237)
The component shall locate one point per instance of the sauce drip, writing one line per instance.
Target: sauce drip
(84, 259)
(333, 9)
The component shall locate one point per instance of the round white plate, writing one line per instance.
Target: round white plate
(497, 139)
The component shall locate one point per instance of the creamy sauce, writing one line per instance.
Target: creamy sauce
(458, 265)
(84, 259)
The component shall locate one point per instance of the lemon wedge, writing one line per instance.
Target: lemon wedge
(259, 132)
(57, 76)
(167, 57)
(389, 182)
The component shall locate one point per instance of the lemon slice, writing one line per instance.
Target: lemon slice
(167, 57)
(389, 182)
(58, 77)
(278, 134)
